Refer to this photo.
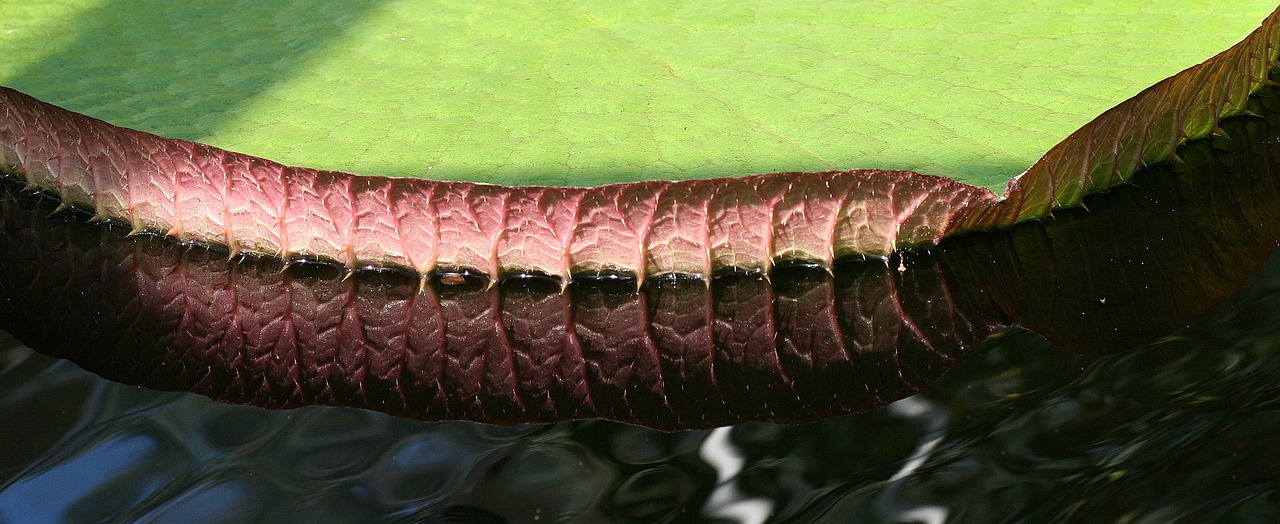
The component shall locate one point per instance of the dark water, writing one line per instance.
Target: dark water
(1185, 428)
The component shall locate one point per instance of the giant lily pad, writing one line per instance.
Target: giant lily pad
(212, 455)
(429, 345)
(202, 194)
(591, 92)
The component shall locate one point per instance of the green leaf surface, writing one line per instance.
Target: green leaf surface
(590, 92)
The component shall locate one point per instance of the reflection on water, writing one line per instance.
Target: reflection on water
(1185, 426)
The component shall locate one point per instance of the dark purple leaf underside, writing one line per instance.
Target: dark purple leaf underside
(426, 333)
(799, 345)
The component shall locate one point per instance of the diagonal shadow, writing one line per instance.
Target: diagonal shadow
(182, 69)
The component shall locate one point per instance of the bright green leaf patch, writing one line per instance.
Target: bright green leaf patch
(595, 91)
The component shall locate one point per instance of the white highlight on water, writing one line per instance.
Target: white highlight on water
(727, 501)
